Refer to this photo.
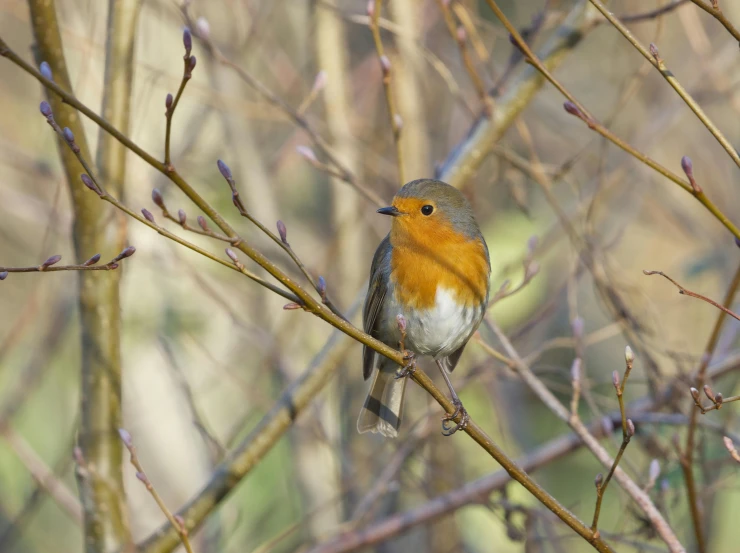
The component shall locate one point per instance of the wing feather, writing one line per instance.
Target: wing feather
(379, 275)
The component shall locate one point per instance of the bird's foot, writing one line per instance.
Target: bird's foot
(409, 366)
(449, 430)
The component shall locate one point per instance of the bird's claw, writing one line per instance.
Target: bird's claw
(410, 366)
(464, 419)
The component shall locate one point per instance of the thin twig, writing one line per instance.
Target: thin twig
(652, 14)
(549, 399)
(684, 291)
(49, 266)
(686, 456)
(373, 11)
(628, 430)
(177, 523)
(170, 104)
(654, 58)
(293, 114)
(716, 12)
(475, 77)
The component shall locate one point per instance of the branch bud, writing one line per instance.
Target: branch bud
(688, 168)
(599, 480)
(370, 8)
(70, 138)
(308, 154)
(232, 255)
(51, 261)
(629, 356)
(385, 65)
(87, 181)
(157, 198)
(147, 215)
(719, 398)
(695, 394)
(291, 306)
(125, 438)
(615, 379)
(654, 52)
(322, 288)
(283, 232)
(202, 223)
(630, 428)
(571, 108)
(3, 275)
(203, 28)
(225, 171)
(128, 252)
(92, 261)
(181, 216)
(709, 392)
(45, 109)
(168, 101)
(45, 70)
(187, 41)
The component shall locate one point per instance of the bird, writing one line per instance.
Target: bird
(428, 292)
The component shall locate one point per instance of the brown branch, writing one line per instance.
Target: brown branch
(684, 291)
(686, 456)
(49, 266)
(716, 12)
(477, 490)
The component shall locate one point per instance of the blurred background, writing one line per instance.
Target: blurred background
(206, 353)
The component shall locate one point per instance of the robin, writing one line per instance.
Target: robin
(429, 284)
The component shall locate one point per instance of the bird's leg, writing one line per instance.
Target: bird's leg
(408, 356)
(459, 409)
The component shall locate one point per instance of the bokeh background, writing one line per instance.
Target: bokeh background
(207, 352)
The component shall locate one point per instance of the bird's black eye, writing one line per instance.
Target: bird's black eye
(427, 210)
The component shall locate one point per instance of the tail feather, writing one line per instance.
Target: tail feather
(383, 407)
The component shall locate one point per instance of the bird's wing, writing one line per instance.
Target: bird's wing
(379, 275)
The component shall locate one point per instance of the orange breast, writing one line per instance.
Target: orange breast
(421, 262)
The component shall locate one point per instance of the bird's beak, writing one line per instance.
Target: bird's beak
(392, 211)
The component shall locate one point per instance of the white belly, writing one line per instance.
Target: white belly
(441, 330)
